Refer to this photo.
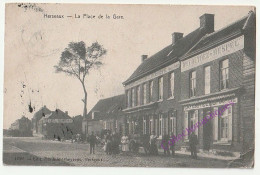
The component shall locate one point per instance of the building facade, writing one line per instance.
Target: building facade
(105, 116)
(194, 76)
(221, 68)
(153, 91)
(56, 125)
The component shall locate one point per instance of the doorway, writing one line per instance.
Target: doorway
(207, 131)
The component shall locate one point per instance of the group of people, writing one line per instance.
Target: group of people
(193, 141)
(149, 144)
(113, 141)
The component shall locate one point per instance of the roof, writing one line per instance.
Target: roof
(39, 114)
(107, 107)
(220, 36)
(166, 56)
(57, 114)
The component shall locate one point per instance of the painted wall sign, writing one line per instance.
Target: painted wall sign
(59, 120)
(209, 104)
(212, 54)
(154, 75)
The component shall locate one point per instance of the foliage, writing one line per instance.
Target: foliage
(76, 60)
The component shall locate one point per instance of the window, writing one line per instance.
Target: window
(224, 69)
(127, 126)
(192, 119)
(93, 115)
(225, 125)
(128, 98)
(156, 126)
(160, 88)
(144, 126)
(138, 96)
(172, 123)
(133, 97)
(207, 79)
(116, 124)
(150, 126)
(144, 93)
(133, 127)
(192, 84)
(171, 85)
(151, 91)
(105, 124)
(160, 124)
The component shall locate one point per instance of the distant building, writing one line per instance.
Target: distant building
(77, 124)
(21, 127)
(37, 116)
(56, 125)
(106, 115)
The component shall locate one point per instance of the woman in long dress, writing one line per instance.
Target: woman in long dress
(125, 143)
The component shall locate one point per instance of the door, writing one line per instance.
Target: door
(207, 131)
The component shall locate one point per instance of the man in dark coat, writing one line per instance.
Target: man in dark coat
(92, 142)
(193, 143)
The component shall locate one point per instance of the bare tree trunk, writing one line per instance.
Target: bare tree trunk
(85, 101)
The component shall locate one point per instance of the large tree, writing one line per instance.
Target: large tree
(77, 60)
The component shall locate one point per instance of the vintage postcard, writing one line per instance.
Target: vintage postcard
(129, 85)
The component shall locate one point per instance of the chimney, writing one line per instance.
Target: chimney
(207, 22)
(176, 36)
(144, 57)
(66, 112)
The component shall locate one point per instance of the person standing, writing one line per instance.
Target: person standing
(165, 141)
(153, 144)
(193, 144)
(92, 142)
(108, 146)
(125, 143)
(172, 145)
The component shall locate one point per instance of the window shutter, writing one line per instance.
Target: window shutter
(215, 126)
(230, 123)
(186, 115)
(196, 120)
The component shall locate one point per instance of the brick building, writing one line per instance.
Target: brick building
(107, 115)
(218, 69)
(193, 76)
(153, 91)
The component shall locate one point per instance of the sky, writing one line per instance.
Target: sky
(33, 45)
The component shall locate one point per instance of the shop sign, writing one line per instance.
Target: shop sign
(213, 54)
(209, 104)
(154, 75)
